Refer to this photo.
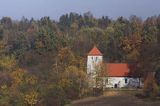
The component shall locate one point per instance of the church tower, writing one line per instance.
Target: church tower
(95, 58)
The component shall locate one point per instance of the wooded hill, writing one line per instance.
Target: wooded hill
(43, 62)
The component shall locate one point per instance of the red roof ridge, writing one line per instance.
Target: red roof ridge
(95, 52)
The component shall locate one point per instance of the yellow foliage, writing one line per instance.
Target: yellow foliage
(66, 57)
(21, 76)
(64, 83)
(32, 80)
(31, 98)
(18, 76)
(4, 87)
(8, 62)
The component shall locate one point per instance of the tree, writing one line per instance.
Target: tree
(74, 82)
(46, 40)
(24, 87)
(66, 57)
(150, 88)
(157, 76)
(100, 75)
(104, 22)
(6, 22)
(149, 53)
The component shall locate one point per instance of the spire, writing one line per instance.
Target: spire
(95, 52)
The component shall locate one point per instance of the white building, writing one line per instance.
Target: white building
(95, 58)
(115, 75)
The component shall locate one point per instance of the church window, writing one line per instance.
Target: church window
(96, 58)
(92, 58)
(126, 80)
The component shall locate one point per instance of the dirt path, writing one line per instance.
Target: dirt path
(114, 98)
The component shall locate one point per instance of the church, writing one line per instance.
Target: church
(115, 75)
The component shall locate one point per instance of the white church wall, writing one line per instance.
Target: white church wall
(92, 61)
(121, 82)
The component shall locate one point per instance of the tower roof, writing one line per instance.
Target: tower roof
(95, 52)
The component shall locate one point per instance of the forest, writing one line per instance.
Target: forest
(43, 61)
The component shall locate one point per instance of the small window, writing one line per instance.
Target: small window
(96, 58)
(126, 80)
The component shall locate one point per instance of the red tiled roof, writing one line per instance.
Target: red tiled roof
(95, 52)
(117, 70)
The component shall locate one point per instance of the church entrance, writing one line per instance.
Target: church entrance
(115, 85)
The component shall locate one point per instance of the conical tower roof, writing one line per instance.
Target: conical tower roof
(95, 52)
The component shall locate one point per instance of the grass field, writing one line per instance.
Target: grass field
(116, 97)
